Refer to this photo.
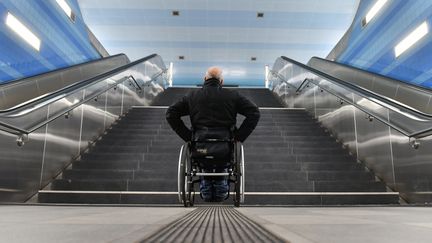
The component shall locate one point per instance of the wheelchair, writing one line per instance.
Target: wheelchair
(210, 150)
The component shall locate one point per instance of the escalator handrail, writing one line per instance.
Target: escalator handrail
(52, 97)
(70, 88)
(359, 89)
(400, 82)
(370, 96)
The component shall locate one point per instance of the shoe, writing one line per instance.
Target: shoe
(218, 199)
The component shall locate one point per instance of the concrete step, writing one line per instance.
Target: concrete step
(115, 185)
(251, 198)
(118, 174)
(256, 156)
(340, 175)
(306, 166)
(314, 186)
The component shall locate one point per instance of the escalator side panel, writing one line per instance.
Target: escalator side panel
(50, 149)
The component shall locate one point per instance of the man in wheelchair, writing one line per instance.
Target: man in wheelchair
(213, 111)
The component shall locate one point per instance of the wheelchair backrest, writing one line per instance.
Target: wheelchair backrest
(212, 144)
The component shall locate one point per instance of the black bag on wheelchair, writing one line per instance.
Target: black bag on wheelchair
(211, 145)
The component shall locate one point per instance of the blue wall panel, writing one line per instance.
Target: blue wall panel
(63, 42)
(372, 47)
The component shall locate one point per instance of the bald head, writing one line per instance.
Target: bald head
(214, 72)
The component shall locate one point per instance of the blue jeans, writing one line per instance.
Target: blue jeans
(214, 189)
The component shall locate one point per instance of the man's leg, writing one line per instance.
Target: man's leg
(206, 189)
(214, 188)
(221, 187)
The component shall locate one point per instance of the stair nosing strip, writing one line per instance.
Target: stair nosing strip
(261, 108)
(318, 193)
(246, 193)
(281, 108)
(150, 107)
(110, 192)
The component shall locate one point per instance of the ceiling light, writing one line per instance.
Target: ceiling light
(25, 33)
(411, 39)
(175, 13)
(373, 11)
(260, 15)
(66, 8)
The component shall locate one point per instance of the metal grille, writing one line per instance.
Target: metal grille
(213, 224)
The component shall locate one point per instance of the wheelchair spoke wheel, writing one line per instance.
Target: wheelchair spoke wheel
(183, 179)
(185, 192)
(191, 195)
(180, 175)
(242, 173)
(188, 185)
(238, 176)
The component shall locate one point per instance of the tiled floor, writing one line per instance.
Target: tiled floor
(297, 224)
(347, 224)
(81, 224)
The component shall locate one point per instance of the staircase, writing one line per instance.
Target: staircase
(290, 160)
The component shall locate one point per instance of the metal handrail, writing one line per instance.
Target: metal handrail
(39, 125)
(55, 96)
(281, 78)
(136, 83)
(368, 95)
(300, 88)
(343, 99)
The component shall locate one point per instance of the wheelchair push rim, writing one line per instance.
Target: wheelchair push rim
(185, 194)
(242, 171)
(239, 180)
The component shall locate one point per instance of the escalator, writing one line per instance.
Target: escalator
(290, 159)
(49, 120)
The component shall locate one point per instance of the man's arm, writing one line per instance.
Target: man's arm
(173, 116)
(252, 114)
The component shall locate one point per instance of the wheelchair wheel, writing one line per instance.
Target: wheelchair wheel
(239, 173)
(242, 171)
(184, 177)
(188, 185)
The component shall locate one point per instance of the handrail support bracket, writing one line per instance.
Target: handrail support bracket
(415, 144)
(137, 86)
(300, 88)
(22, 139)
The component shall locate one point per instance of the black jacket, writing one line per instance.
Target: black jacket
(213, 106)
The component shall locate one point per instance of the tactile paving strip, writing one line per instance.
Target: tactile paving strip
(213, 224)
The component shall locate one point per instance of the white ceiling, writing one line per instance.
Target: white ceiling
(226, 33)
